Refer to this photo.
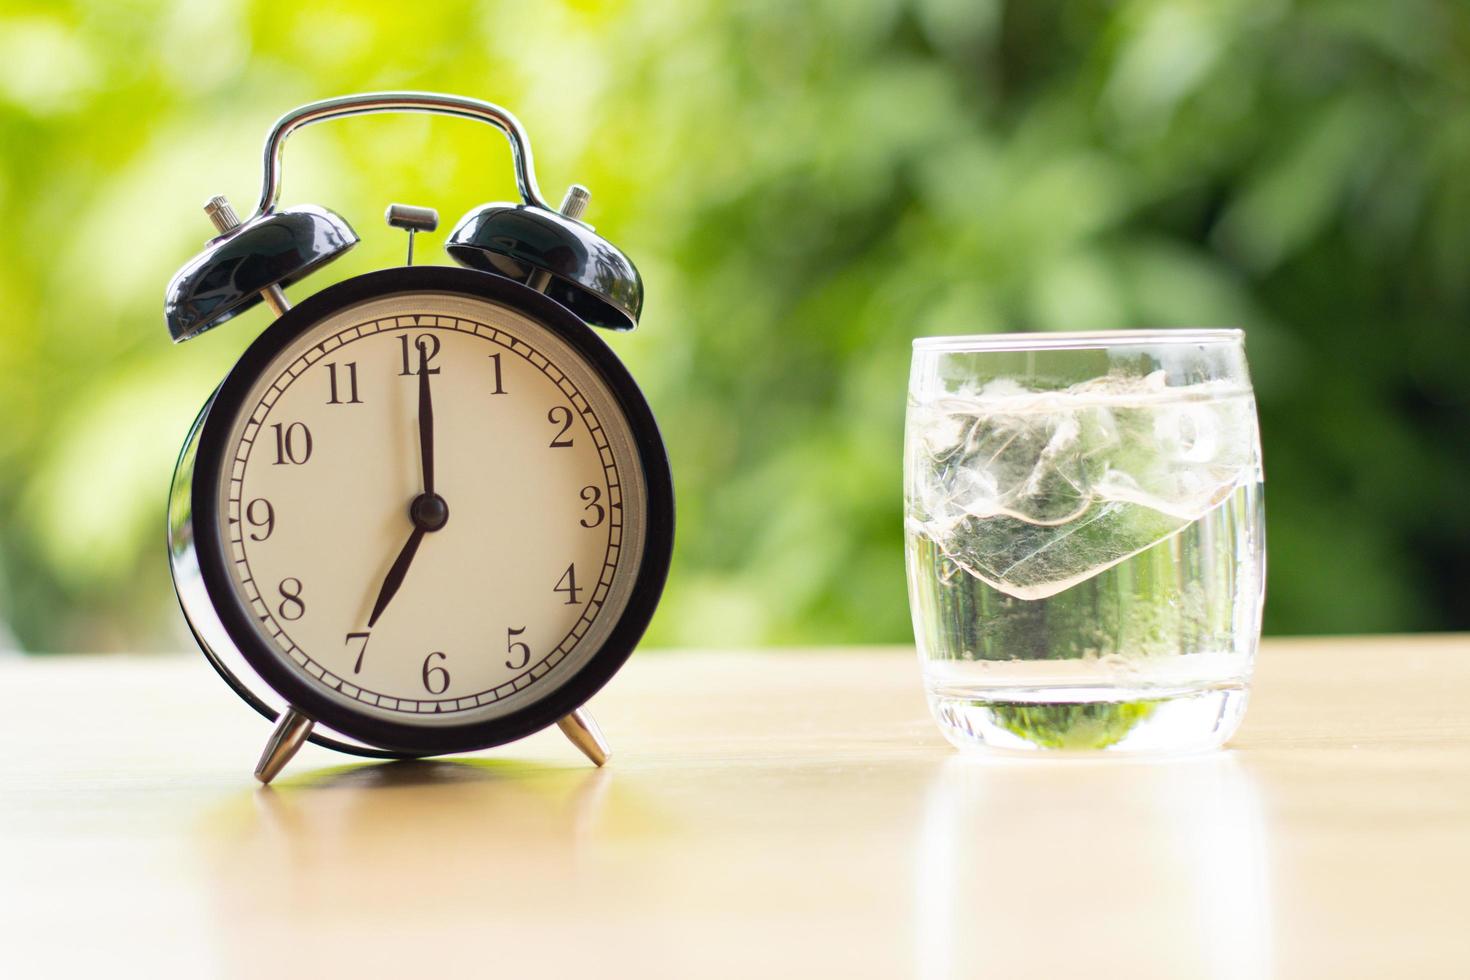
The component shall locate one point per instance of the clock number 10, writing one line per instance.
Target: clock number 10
(293, 443)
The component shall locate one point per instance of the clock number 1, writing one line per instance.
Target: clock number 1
(499, 380)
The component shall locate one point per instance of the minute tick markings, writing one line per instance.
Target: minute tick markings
(433, 660)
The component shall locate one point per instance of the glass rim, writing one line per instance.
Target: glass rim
(1077, 340)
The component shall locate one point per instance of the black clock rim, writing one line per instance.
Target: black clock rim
(306, 696)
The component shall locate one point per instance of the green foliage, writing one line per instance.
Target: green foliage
(806, 187)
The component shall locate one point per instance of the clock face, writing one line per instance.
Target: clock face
(443, 594)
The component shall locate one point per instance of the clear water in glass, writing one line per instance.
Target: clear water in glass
(1083, 519)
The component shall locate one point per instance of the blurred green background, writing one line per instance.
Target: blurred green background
(805, 187)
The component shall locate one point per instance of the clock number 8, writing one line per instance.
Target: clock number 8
(291, 607)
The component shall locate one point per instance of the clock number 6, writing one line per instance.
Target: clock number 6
(511, 644)
(436, 679)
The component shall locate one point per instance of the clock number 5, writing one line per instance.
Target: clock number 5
(512, 645)
(436, 678)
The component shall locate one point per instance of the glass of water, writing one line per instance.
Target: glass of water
(1084, 532)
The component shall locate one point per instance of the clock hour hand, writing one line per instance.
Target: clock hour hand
(395, 576)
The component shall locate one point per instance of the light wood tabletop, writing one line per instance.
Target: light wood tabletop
(766, 814)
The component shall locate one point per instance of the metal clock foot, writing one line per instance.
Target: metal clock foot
(585, 735)
(291, 731)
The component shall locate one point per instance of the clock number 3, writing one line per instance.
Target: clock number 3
(512, 645)
(592, 494)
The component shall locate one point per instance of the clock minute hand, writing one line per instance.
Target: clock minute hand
(426, 420)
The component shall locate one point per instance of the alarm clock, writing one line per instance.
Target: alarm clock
(428, 510)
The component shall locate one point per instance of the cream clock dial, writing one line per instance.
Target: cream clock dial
(533, 463)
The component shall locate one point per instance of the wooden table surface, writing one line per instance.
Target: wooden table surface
(766, 814)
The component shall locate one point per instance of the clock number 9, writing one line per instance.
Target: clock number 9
(436, 679)
(292, 607)
(511, 644)
(268, 521)
(592, 495)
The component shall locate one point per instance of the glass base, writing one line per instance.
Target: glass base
(1091, 719)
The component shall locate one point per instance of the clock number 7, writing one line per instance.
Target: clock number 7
(361, 651)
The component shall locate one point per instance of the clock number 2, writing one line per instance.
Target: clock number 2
(562, 416)
(512, 645)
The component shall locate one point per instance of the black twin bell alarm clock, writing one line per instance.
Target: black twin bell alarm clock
(428, 511)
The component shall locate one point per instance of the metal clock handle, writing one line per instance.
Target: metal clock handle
(370, 102)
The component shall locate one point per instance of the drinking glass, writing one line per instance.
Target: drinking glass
(1084, 535)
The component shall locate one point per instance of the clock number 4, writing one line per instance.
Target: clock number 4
(568, 584)
(349, 375)
(411, 357)
(293, 443)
